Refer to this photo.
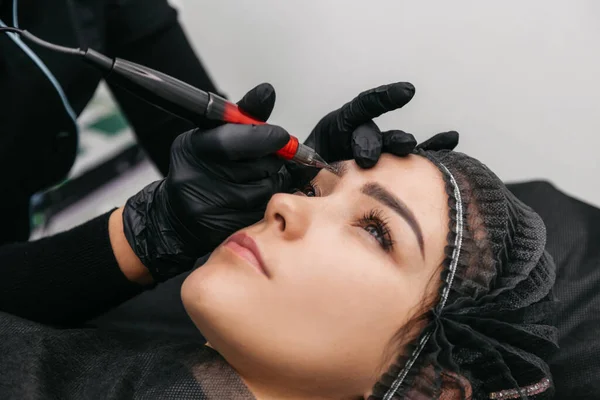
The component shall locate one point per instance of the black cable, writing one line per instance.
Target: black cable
(32, 38)
(9, 29)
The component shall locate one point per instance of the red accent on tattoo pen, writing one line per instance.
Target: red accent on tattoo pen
(234, 115)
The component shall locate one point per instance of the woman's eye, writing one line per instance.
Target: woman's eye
(309, 191)
(373, 230)
(374, 224)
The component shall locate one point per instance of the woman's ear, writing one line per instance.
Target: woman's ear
(455, 387)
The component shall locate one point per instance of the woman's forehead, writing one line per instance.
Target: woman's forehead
(413, 176)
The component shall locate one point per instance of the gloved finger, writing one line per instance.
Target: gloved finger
(300, 174)
(228, 221)
(398, 142)
(235, 142)
(244, 171)
(258, 193)
(367, 142)
(259, 102)
(373, 103)
(441, 141)
(253, 194)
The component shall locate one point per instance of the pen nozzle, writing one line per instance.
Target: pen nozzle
(320, 163)
(309, 157)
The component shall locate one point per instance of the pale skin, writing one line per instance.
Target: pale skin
(343, 266)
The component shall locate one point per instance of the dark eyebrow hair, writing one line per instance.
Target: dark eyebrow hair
(341, 167)
(382, 195)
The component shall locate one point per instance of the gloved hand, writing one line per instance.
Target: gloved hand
(348, 133)
(219, 181)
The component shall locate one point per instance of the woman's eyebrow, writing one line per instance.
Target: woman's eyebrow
(340, 167)
(382, 195)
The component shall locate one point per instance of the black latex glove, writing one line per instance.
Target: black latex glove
(219, 181)
(441, 141)
(348, 133)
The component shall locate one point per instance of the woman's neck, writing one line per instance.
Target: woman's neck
(272, 389)
(269, 388)
(218, 379)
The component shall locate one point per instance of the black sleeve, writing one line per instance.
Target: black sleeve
(64, 279)
(148, 32)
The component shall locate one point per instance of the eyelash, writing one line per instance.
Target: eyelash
(311, 186)
(372, 219)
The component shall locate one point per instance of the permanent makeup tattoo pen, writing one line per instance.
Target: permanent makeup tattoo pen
(177, 97)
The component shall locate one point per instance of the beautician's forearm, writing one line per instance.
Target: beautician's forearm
(67, 278)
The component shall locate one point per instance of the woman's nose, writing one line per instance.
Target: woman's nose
(289, 214)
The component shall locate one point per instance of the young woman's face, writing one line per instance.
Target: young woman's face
(314, 293)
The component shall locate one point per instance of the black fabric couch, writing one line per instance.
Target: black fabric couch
(573, 229)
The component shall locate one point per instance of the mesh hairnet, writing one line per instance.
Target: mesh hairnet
(492, 328)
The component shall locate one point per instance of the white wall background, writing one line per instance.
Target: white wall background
(520, 80)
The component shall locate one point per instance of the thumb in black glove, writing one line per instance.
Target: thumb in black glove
(259, 102)
(441, 141)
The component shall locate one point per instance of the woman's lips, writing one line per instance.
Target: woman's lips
(245, 247)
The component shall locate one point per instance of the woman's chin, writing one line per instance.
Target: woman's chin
(216, 288)
(196, 291)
